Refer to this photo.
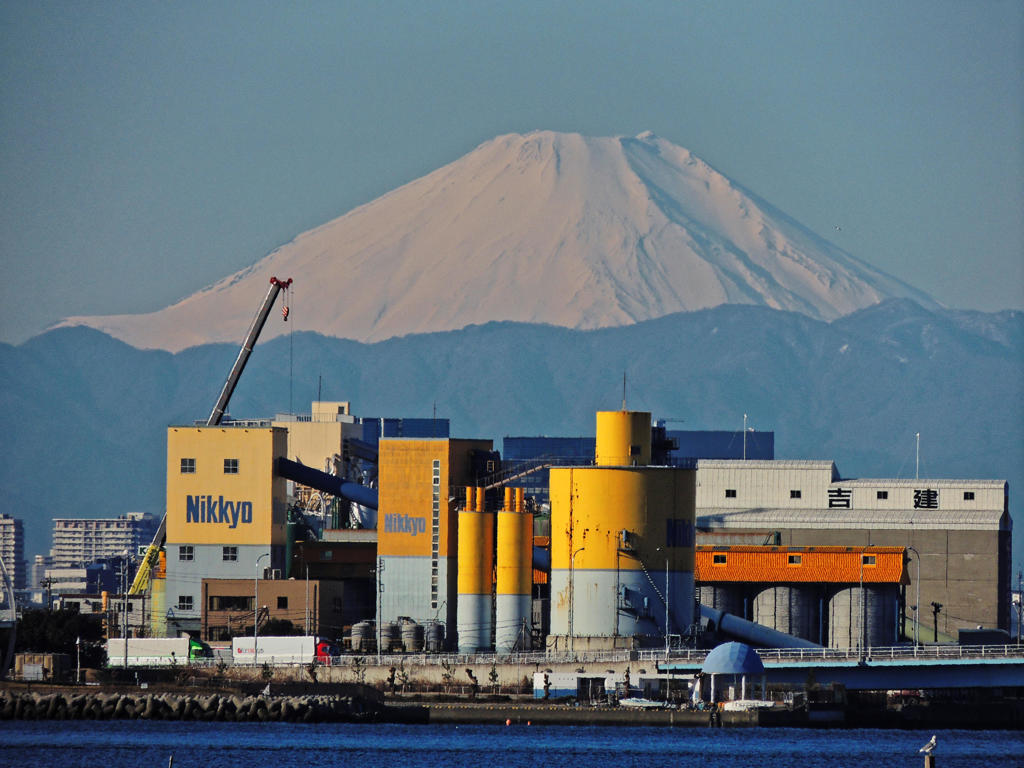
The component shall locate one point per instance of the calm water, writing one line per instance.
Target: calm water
(220, 745)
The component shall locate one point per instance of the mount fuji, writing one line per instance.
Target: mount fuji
(550, 228)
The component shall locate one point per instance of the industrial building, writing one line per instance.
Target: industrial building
(336, 522)
(957, 532)
(12, 549)
(842, 597)
(79, 541)
(226, 514)
(421, 483)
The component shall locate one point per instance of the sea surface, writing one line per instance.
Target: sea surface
(91, 744)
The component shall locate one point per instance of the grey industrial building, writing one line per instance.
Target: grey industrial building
(957, 532)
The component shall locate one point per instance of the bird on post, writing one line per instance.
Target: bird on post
(927, 748)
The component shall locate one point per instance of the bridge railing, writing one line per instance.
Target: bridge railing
(896, 652)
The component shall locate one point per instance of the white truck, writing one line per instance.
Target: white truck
(154, 651)
(295, 649)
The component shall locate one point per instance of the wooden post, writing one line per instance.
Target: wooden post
(929, 761)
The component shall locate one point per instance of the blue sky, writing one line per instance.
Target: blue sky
(150, 148)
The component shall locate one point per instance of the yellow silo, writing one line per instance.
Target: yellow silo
(622, 543)
(514, 576)
(623, 439)
(476, 569)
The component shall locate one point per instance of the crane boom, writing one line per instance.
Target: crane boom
(149, 560)
(243, 354)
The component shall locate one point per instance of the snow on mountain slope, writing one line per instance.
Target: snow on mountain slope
(552, 228)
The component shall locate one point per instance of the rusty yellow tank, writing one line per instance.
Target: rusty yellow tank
(622, 543)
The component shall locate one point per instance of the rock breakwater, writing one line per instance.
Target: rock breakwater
(99, 705)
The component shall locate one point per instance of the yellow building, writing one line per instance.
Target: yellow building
(417, 524)
(226, 512)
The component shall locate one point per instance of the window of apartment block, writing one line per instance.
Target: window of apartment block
(882, 495)
(186, 552)
(794, 494)
(968, 495)
(188, 466)
(730, 493)
(184, 602)
(282, 602)
(230, 554)
(230, 466)
(718, 559)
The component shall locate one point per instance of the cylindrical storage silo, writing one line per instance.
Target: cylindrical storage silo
(433, 637)
(859, 617)
(788, 608)
(412, 636)
(476, 566)
(622, 541)
(389, 636)
(514, 580)
(363, 637)
(727, 598)
(623, 439)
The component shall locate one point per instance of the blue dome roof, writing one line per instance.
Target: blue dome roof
(733, 659)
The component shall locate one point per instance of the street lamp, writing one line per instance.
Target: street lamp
(572, 597)
(917, 582)
(256, 608)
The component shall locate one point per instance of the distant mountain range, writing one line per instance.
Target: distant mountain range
(549, 228)
(84, 415)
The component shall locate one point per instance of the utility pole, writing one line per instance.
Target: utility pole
(256, 609)
(124, 597)
(917, 606)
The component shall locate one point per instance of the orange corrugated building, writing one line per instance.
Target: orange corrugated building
(539, 576)
(822, 565)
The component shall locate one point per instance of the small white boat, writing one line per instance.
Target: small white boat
(640, 703)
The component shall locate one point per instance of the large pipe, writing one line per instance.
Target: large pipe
(314, 478)
(749, 632)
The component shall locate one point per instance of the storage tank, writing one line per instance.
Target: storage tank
(412, 636)
(363, 637)
(514, 577)
(433, 636)
(623, 439)
(790, 609)
(622, 541)
(389, 636)
(727, 598)
(476, 568)
(879, 607)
